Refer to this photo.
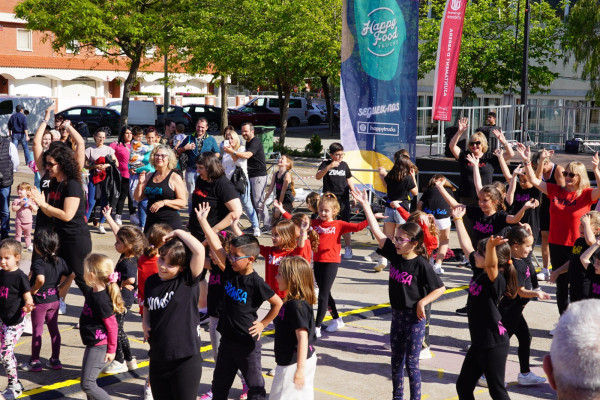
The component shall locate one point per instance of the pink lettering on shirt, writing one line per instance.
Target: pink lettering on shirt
(474, 288)
(4, 292)
(595, 288)
(275, 260)
(100, 334)
(483, 228)
(501, 328)
(325, 231)
(522, 198)
(87, 311)
(281, 312)
(215, 280)
(527, 273)
(400, 276)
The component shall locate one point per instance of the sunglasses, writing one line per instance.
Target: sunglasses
(401, 240)
(477, 143)
(234, 259)
(569, 174)
(50, 164)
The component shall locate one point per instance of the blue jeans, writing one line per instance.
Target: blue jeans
(246, 199)
(21, 138)
(92, 202)
(143, 211)
(190, 184)
(5, 210)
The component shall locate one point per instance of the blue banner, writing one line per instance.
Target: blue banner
(379, 83)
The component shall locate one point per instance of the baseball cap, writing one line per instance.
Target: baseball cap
(19, 107)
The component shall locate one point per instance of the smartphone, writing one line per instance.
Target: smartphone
(226, 143)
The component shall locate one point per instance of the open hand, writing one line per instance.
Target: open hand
(202, 211)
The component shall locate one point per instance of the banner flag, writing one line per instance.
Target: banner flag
(379, 84)
(447, 59)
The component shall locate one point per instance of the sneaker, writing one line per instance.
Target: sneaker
(115, 367)
(372, 257)
(204, 318)
(381, 266)
(131, 365)
(256, 232)
(101, 229)
(54, 364)
(265, 230)
(271, 372)
(318, 332)
(134, 219)
(544, 275)
(118, 220)
(32, 366)
(336, 324)
(437, 268)
(13, 390)
(462, 311)
(148, 391)
(62, 306)
(530, 379)
(482, 381)
(30, 249)
(387, 345)
(425, 354)
(244, 394)
(27, 329)
(347, 254)
(207, 396)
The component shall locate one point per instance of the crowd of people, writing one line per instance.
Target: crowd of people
(164, 260)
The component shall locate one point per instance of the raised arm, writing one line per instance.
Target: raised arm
(587, 255)
(525, 153)
(503, 165)
(197, 261)
(38, 149)
(476, 174)
(461, 231)
(588, 231)
(513, 219)
(490, 265)
(596, 190)
(463, 124)
(509, 153)
(211, 236)
(510, 193)
(363, 199)
(111, 222)
(449, 199)
(79, 144)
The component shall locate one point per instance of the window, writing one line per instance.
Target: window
(295, 103)
(6, 107)
(74, 111)
(72, 47)
(24, 40)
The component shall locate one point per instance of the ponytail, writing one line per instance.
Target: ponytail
(103, 269)
(510, 276)
(115, 296)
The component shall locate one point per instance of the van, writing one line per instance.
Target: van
(35, 105)
(300, 112)
(141, 112)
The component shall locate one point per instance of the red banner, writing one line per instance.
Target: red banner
(447, 59)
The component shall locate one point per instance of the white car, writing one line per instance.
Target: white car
(300, 112)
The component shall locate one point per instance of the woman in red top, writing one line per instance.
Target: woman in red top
(567, 205)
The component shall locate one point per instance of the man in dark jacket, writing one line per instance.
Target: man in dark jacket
(17, 130)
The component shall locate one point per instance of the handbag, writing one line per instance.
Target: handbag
(239, 180)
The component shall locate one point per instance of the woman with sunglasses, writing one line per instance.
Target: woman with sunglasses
(478, 146)
(568, 204)
(163, 188)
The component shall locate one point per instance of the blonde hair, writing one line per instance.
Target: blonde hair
(234, 136)
(312, 201)
(24, 185)
(170, 156)
(594, 221)
(481, 137)
(13, 246)
(415, 217)
(298, 275)
(331, 199)
(286, 229)
(578, 168)
(289, 167)
(101, 267)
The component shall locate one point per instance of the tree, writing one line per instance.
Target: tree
(489, 58)
(123, 30)
(582, 41)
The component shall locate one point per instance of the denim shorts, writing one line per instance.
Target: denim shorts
(393, 216)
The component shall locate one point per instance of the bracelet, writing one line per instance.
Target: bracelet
(46, 122)
(456, 219)
(526, 162)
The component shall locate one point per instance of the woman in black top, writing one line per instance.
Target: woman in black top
(478, 146)
(63, 205)
(164, 189)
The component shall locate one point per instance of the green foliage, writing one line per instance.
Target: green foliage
(489, 58)
(149, 94)
(582, 41)
(314, 149)
(314, 146)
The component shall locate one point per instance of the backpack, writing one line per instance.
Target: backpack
(239, 180)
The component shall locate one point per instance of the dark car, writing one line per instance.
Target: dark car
(237, 118)
(176, 114)
(211, 113)
(94, 117)
(262, 115)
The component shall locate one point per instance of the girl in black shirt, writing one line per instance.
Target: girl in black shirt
(295, 336)
(489, 338)
(283, 183)
(591, 262)
(130, 243)
(412, 286)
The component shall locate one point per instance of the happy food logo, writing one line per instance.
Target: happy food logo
(382, 31)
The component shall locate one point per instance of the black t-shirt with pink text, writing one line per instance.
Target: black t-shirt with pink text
(13, 284)
(216, 290)
(410, 280)
(96, 309)
(485, 226)
(487, 163)
(52, 273)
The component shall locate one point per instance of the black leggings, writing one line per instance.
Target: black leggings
(492, 363)
(176, 380)
(325, 274)
(123, 348)
(558, 256)
(515, 324)
(74, 252)
(125, 194)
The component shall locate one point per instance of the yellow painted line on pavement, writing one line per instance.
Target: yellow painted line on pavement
(440, 373)
(341, 396)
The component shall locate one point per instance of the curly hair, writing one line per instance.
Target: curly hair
(63, 155)
(171, 158)
(133, 238)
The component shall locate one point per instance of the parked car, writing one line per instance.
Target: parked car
(237, 118)
(262, 115)
(141, 112)
(35, 105)
(298, 112)
(175, 113)
(211, 113)
(94, 117)
(316, 115)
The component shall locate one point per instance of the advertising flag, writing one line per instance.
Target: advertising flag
(379, 84)
(447, 59)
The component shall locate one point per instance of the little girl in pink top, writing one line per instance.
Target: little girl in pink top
(24, 208)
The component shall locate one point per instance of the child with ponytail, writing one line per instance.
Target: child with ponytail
(97, 323)
(412, 286)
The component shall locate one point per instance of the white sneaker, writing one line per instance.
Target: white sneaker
(131, 365)
(381, 266)
(373, 257)
(62, 306)
(134, 219)
(271, 372)
(530, 379)
(347, 254)
(118, 220)
(30, 249)
(318, 332)
(425, 354)
(483, 382)
(544, 275)
(335, 325)
(256, 232)
(101, 229)
(148, 391)
(437, 268)
(115, 367)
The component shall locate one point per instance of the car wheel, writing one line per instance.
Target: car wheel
(314, 120)
(294, 121)
(107, 129)
(213, 127)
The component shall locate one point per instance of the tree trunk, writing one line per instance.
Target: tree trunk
(133, 69)
(224, 119)
(328, 102)
(283, 90)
